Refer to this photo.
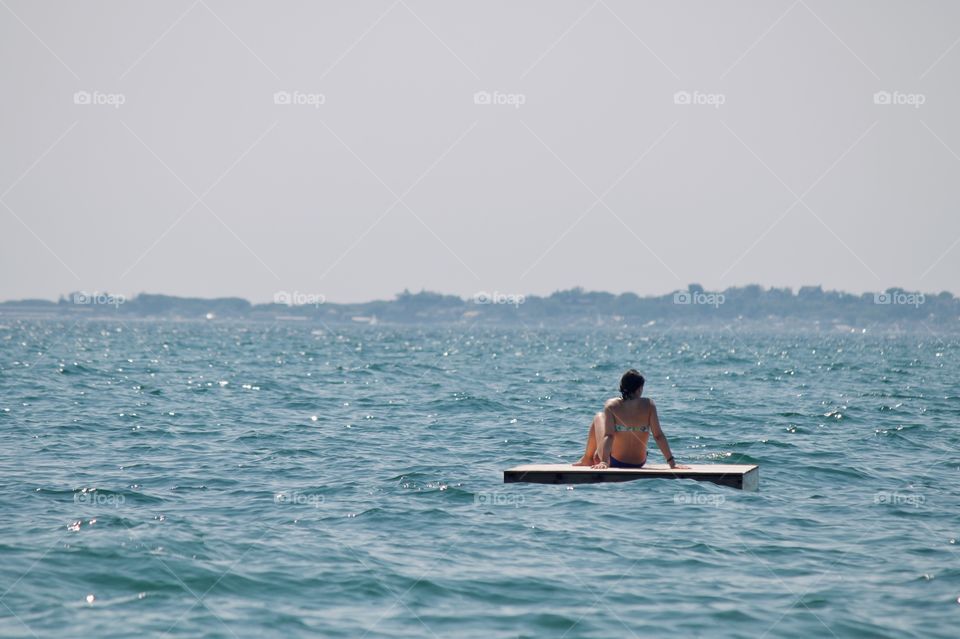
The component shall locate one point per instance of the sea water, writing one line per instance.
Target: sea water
(226, 479)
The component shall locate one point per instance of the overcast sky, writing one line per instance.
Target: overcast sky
(354, 149)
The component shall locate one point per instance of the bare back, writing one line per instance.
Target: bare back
(634, 420)
(632, 413)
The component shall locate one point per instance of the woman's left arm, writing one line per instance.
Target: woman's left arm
(660, 438)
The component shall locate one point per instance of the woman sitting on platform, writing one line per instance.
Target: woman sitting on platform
(620, 432)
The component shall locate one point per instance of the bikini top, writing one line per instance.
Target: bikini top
(634, 429)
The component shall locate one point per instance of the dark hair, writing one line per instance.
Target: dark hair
(630, 383)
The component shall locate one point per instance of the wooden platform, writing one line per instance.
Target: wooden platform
(743, 476)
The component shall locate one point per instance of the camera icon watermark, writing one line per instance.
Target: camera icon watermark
(897, 98)
(899, 298)
(99, 98)
(498, 98)
(699, 298)
(299, 98)
(514, 299)
(899, 499)
(497, 498)
(716, 100)
(90, 497)
(299, 499)
(296, 298)
(97, 299)
(698, 499)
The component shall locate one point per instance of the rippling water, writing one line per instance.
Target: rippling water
(249, 480)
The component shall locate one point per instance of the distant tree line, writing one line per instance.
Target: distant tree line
(570, 307)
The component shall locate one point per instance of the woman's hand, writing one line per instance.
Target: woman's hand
(600, 465)
(675, 466)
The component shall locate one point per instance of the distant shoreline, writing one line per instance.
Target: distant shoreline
(574, 307)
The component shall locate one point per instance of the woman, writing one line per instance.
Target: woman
(619, 433)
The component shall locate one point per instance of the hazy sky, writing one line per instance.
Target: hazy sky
(180, 171)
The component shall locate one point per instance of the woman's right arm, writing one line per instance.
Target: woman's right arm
(604, 436)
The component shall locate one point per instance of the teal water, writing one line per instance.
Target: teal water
(254, 480)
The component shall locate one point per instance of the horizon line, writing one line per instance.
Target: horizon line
(474, 296)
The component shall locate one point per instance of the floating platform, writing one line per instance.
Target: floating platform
(742, 476)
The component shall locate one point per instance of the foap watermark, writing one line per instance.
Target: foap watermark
(99, 98)
(514, 299)
(716, 100)
(497, 498)
(98, 299)
(699, 297)
(90, 497)
(299, 98)
(899, 499)
(298, 499)
(498, 98)
(698, 499)
(296, 298)
(898, 98)
(899, 298)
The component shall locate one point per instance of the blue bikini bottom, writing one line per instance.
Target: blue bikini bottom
(616, 463)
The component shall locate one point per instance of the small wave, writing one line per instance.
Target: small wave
(837, 415)
(466, 403)
(78, 368)
(836, 470)
(732, 457)
(289, 453)
(92, 600)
